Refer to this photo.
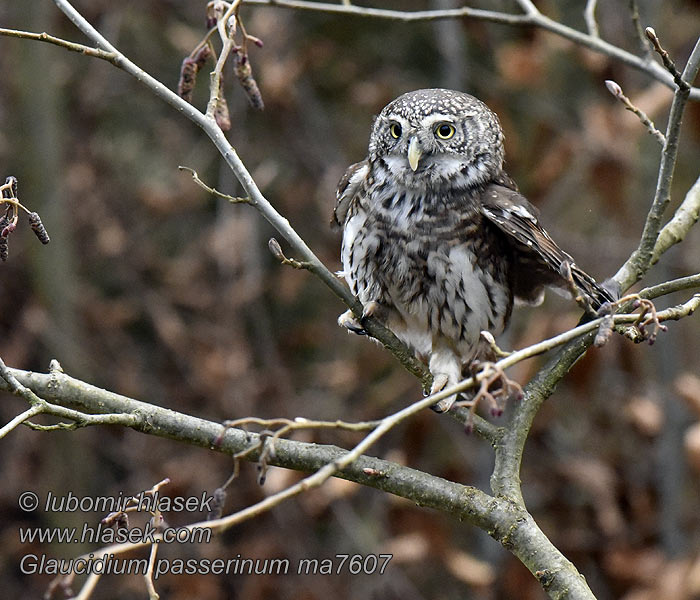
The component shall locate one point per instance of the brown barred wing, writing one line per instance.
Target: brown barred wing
(348, 186)
(538, 259)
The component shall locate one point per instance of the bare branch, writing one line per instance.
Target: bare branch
(528, 7)
(282, 225)
(641, 259)
(505, 521)
(531, 18)
(214, 191)
(669, 287)
(41, 406)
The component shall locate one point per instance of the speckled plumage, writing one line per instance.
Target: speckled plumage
(437, 241)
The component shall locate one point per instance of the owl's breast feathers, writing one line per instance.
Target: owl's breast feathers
(498, 225)
(434, 263)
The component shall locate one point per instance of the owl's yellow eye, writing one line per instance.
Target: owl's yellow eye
(395, 131)
(445, 131)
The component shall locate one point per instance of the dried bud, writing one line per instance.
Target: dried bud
(244, 73)
(202, 56)
(256, 40)
(38, 228)
(158, 522)
(4, 248)
(188, 77)
(7, 227)
(217, 504)
(276, 249)
(221, 114)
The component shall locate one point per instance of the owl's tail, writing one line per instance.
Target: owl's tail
(597, 293)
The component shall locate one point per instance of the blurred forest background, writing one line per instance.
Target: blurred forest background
(153, 289)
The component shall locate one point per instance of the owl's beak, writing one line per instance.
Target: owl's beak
(414, 153)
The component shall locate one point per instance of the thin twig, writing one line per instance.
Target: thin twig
(670, 287)
(637, 24)
(666, 59)
(641, 259)
(214, 191)
(532, 18)
(616, 91)
(215, 87)
(50, 39)
(589, 17)
(21, 418)
(148, 576)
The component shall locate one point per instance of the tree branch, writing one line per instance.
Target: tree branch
(531, 18)
(257, 200)
(641, 259)
(508, 523)
(678, 227)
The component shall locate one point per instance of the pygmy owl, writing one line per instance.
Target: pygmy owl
(437, 241)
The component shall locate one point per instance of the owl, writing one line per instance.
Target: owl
(437, 240)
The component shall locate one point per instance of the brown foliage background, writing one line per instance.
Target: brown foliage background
(153, 289)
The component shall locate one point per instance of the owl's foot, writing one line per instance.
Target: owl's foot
(447, 371)
(351, 323)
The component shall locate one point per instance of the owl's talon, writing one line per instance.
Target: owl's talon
(350, 322)
(370, 309)
(447, 371)
(440, 381)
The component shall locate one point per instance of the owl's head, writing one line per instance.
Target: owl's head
(438, 138)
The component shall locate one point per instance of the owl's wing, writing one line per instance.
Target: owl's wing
(348, 186)
(540, 259)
